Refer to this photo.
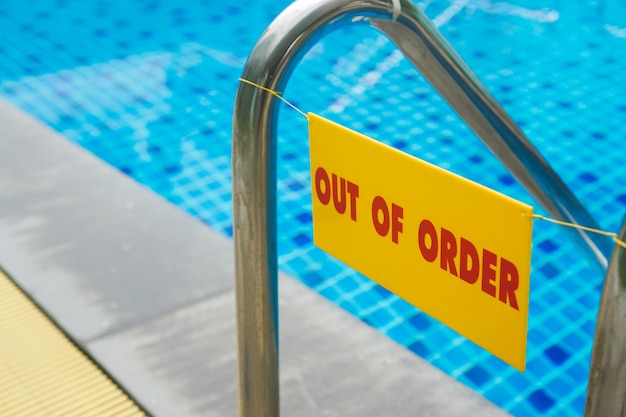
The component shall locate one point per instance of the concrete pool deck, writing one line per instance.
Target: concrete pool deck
(147, 291)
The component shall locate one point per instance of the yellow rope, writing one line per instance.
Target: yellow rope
(275, 94)
(534, 216)
(585, 228)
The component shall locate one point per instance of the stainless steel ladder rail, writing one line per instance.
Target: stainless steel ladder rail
(606, 392)
(254, 161)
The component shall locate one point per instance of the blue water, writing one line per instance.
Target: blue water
(149, 86)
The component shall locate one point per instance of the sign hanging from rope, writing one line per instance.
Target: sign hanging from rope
(455, 249)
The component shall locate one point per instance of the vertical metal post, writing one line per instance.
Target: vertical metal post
(254, 191)
(254, 161)
(606, 393)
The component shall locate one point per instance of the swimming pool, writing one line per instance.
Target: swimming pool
(157, 104)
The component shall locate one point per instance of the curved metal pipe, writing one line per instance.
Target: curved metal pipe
(254, 161)
(606, 392)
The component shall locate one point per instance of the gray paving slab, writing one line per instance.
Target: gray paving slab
(147, 291)
(77, 235)
(184, 364)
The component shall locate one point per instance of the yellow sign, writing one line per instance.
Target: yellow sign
(455, 249)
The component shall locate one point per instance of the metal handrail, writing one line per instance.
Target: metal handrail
(254, 161)
(606, 392)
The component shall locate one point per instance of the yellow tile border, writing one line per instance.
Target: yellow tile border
(42, 373)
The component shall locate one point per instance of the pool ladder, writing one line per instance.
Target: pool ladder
(254, 186)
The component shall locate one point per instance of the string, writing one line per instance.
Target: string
(585, 228)
(534, 216)
(275, 94)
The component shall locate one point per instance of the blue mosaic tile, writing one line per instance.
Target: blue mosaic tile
(301, 239)
(402, 308)
(312, 279)
(498, 394)
(519, 382)
(557, 354)
(420, 349)
(574, 341)
(577, 372)
(578, 404)
(420, 321)
(304, 217)
(379, 318)
(541, 401)
(547, 246)
(348, 284)
(549, 271)
(365, 299)
(330, 293)
(382, 292)
(560, 388)
(477, 375)
(523, 410)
